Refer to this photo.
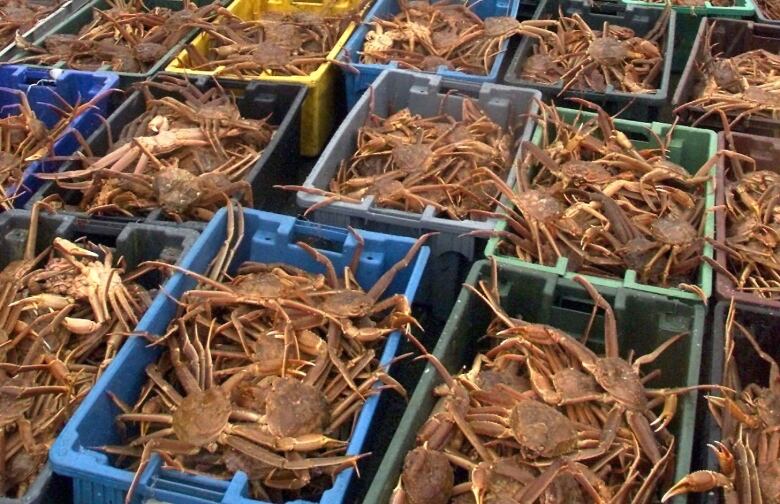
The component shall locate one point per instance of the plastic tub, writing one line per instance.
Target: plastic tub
(688, 18)
(644, 106)
(44, 89)
(75, 20)
(277, 164)
(766, 152)
(423, 94)
(136, 243)
(762, 18)
(319, 110)
(357, 83)
(49, 21)
(690, 148)
(644, 322)
(764, 324)
(731, 37)
(268, 238)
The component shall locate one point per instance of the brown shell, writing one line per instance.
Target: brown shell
(294, 408)
(608, 51)
(427, 477)
(542, 430)
(192, 426)
(673, 231)
(621, 381)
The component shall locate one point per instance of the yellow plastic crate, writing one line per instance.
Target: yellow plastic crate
(317, 114)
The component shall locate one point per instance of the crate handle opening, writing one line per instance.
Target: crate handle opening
(639, 136)
(607, 9)
(576, 304)
(312, 234)
(460, 92)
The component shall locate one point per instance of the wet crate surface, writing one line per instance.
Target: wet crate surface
(644, 106)
(766, 152)
(729, 38)
(45, 90)
(644, 322)
(136, 243)
(358, 82)
(689, 148)
(318, 117)
(280, 103)
(268, 238)
(426, 95)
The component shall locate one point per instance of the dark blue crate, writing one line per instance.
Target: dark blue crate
(269, 238)
(356, 84)
(42, 88)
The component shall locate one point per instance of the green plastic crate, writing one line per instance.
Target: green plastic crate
(644, 322)
(690, 148)
(688, 18)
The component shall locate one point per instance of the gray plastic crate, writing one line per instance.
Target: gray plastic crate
(644, 106)
(136, 242)
(427, 95)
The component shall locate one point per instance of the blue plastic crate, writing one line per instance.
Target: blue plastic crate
(356, 84)
(269, 238)
(44, 88)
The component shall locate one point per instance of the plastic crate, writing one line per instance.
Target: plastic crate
(764, 324)
(644, 106)
(690, 148)
(730, 38)
(766, 152)
(268, 238)
(136, 243)
(319, 110)
(357, 83)
(423, 94)
(644, 322)
(44, 89)
(688, 18)
(73, 21)
(49, 21)
(278, 164)
(762, 18)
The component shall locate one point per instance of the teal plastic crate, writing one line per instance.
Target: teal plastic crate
(688, 18)
(644, 322)
(690, 148)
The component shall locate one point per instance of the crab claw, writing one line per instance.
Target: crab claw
(70, 248)
(667, 414)
(724, 456)
(699, 481)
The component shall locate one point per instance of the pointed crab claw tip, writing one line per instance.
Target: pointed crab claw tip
(71, 248)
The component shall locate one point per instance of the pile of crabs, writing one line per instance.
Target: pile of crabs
(281, 359)
(189, 151)
(66, 310)
(540, 417)
(587, 193)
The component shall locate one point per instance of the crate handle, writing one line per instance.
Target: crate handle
(608, 8)
(459, 90)
(581, 305)
(319, 236)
